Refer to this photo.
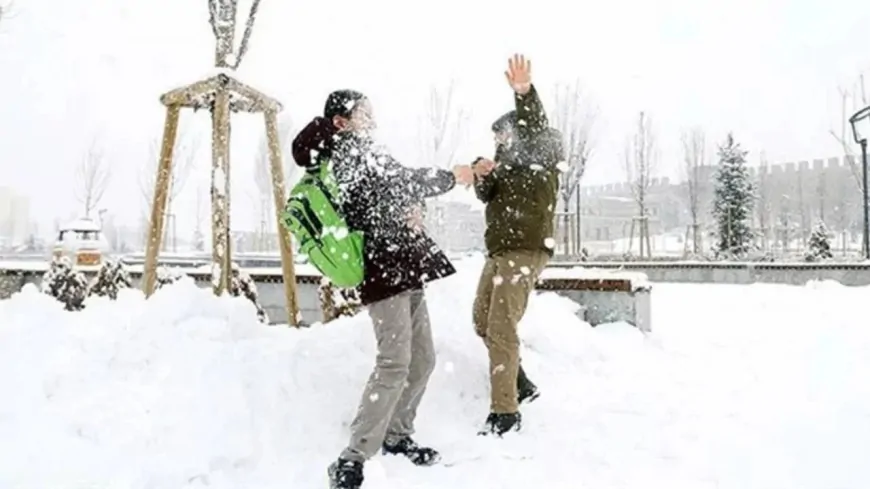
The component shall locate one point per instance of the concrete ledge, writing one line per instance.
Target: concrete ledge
(605, 296)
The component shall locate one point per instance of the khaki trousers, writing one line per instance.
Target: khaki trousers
(503, 293)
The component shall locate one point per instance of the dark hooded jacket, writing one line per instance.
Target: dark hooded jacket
(377, 196)
(520, 194)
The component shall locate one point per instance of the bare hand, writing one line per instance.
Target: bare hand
(519, 74)
(464, 174)
(483, 167)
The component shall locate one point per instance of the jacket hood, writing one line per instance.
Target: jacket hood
(313, 142)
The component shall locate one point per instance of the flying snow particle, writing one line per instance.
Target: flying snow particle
(550, 243)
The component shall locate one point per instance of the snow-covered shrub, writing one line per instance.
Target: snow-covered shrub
(820, 244)
(336, 302)
(242, 285)
(167, 276)
(65, 284)
(111, 278)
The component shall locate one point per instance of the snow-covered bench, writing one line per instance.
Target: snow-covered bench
(605, 296)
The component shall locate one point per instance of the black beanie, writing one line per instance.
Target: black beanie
(341, 103)
(507, 122)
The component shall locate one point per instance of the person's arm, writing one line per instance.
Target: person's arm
(531, 116)
(484, 185)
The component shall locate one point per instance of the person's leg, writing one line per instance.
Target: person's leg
(392, 325)
(516, 274)
(401, 427)
(483, 298)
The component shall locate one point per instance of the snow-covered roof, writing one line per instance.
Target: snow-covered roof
(83, 224)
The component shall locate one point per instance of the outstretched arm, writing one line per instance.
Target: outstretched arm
(531, 117)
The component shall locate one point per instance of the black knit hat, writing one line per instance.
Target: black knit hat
(341, 103)
(507, 122)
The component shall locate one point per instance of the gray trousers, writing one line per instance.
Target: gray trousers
(405, 360)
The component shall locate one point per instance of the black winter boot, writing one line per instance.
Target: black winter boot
(500, 423)
(345, 474)
(527, 391)
(418, 455)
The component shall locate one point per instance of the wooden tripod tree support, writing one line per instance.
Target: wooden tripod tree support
(222, 95)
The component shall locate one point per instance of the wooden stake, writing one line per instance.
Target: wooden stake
(219, 192)
(287, 265)
(158, 206)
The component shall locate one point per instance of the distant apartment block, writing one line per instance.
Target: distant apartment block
(14, 217)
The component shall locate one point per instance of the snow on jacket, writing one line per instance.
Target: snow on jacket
(377, 196)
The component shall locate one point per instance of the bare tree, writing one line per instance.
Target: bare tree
(92, 179)
(184, 156)
(263, 177)
(852, 99)
(441, 127)
(694, 159)
(222, 17)
(575, 118)
(641, 154)
(764, 206)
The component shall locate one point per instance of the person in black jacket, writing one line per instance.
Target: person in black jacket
(384, 200)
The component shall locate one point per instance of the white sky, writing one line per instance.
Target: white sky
(73, 71)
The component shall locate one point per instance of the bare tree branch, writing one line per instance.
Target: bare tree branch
(640, 160)
(249, 27)
(858, 97)
(441, 128)
(694, 158)
(92, 179)
(222, 16)
(575, 118)
(184, 157)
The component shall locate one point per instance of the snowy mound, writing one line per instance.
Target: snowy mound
(189, 390)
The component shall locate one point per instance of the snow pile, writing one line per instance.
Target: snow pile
(739, 387)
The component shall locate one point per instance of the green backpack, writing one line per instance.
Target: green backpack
(313, 217)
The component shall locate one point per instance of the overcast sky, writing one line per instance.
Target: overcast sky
(78, 71)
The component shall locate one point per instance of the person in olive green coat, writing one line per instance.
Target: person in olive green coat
(519, 189)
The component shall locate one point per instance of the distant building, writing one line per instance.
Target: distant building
(15, 225)
(791, 197)
(456, 226)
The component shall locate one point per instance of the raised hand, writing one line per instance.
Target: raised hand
(519, 74)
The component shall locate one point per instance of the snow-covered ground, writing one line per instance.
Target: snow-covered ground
(761, 386)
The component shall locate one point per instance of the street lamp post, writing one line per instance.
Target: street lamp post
(861, 130)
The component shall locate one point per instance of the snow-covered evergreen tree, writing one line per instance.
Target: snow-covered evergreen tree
(733, 199)
(111, 278)
(242, 285)
(820, 243)
(65, 284)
